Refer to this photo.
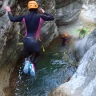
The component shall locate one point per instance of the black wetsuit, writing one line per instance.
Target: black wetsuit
(64, 40)
(32, 23)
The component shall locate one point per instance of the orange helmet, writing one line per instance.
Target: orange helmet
(80, 28)
(32, 4)
(65, 35)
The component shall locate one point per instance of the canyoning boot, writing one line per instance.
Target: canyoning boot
(26, 66)
(32, 69)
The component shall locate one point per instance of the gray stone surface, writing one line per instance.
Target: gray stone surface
(88, 11)
(88, 42)
(69, 12)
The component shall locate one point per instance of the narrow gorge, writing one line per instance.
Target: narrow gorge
(69, 16)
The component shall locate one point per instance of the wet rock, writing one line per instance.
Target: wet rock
(49, 29)
(67, 11)
(88, 11)
(88, 42)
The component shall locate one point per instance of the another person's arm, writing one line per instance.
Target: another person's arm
(13, 19)
(77, 31)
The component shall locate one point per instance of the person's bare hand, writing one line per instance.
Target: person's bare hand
(8, 8)
(41, 10)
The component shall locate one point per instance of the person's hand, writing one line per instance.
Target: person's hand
(41, 10)
(8, 8)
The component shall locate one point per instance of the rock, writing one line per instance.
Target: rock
(68, 12)
(88, 42)
(88, 11)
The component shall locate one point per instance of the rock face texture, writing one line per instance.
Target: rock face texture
(67, 19)
(88, 42)
(83, 81)
(88, 11)
(64, 11)
(67, 11)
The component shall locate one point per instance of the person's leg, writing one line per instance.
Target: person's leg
(36, 58)
(26, 56)
(64, 41)
(26, 66)
(37, 50)
(33, 46)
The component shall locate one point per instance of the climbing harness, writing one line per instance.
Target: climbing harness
(21, 43)
(20, 34)
(43, 49)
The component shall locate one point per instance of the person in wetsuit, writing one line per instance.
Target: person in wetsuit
(64, 38)
(82, 32)
(32, 22)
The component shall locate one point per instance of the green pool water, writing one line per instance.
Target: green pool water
(52, 70)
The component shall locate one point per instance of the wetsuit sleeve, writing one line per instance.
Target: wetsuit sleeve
(15, 19)
(47, 17)
(85, 30)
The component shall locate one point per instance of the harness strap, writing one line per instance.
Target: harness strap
(21, 43)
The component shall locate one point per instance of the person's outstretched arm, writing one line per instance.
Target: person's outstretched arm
(77, 31)
(46, 16)
(13, 19)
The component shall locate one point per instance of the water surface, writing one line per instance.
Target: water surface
(55, 66)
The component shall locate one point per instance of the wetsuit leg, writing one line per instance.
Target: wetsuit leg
(36, 57)
(32, 46)
(64, 41)
(26, 53)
